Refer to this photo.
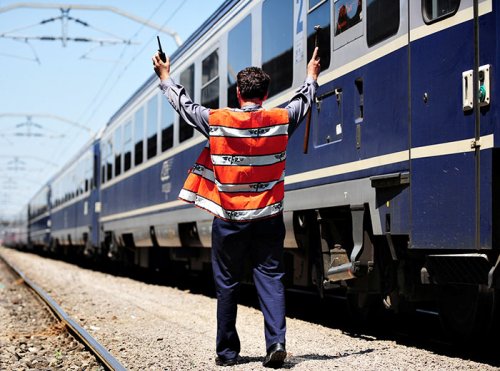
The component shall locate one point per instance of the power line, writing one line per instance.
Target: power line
(115, 65)
(113, 70)
(65, 8)
(133, 60)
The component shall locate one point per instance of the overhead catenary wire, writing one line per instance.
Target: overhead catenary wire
(121, 55)
(18, 57)
(76, 39)
(110, 74)
(133, 60)
(35, 59)
(116, 39)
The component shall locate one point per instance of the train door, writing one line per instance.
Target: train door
(443, 162)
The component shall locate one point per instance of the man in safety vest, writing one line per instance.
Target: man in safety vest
(239, 177)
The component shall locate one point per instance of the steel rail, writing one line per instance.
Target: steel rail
(92, 344)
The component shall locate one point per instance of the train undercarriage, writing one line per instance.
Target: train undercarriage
(337, 251)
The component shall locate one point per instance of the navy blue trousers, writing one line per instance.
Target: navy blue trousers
(232, 244)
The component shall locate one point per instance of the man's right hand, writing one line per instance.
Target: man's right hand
(161, 68)
(314, 67)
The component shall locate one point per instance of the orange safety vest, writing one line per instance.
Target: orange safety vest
(240, 174)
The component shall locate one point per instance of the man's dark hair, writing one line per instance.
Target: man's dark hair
(253, 82)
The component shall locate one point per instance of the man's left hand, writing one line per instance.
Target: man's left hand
(161, 68)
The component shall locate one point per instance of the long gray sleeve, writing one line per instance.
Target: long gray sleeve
(193, 113)
(300, 103)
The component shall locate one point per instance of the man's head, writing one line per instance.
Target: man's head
(253, 83)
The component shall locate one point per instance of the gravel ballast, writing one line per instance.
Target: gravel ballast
(30, 336)
(146, 326)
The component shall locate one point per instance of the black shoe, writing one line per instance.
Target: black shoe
(226, 362)
(275, 357)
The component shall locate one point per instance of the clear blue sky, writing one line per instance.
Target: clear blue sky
(81, 82)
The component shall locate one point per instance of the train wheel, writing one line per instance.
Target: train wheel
(467, 310)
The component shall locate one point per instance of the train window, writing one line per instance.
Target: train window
(139, 136)
(95, 174)
(277, 44)
(152, 127)
(239, 56)
(187, 80)
(347, 14)
(73, 184)
(167, 125)
(210, 80)
(81, 176)
(109, 159)
(319, 15)
(382, 20)
(434, 10)
(127, 146)
(118, 150)
(76, 179)
(103, 162)
(88, 172)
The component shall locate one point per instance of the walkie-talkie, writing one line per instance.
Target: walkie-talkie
(163, 57)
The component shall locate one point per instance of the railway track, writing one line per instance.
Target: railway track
(78, 332)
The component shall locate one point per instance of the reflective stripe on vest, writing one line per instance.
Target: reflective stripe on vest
(240, 174)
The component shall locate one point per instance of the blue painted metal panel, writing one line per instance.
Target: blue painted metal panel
(442, 187)
(443, 202)
(384, 128)
(145, 188)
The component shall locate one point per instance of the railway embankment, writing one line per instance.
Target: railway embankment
(156, 327)
(31, 337)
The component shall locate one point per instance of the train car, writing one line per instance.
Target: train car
(15, 234)
(394, 201)
(74, 204)
(39, 221)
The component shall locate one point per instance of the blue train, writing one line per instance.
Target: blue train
(394, 202)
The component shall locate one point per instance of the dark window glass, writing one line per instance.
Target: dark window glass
(187, 80)
(139, 136)
(127, 146)
(76, 179)
(382, 20)
(277, 43)
(210, 68)
(167, 125)
(95, 173)
(87, 177)
(239, 56)
(103, 162)
(319, 16)
(437, 9)
(89, 171)
(118, 150)
(152, 128)
(109, 159)
(210, 94)
(347, 14)
(210, 81)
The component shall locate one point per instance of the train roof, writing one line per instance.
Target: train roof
(208, 24)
